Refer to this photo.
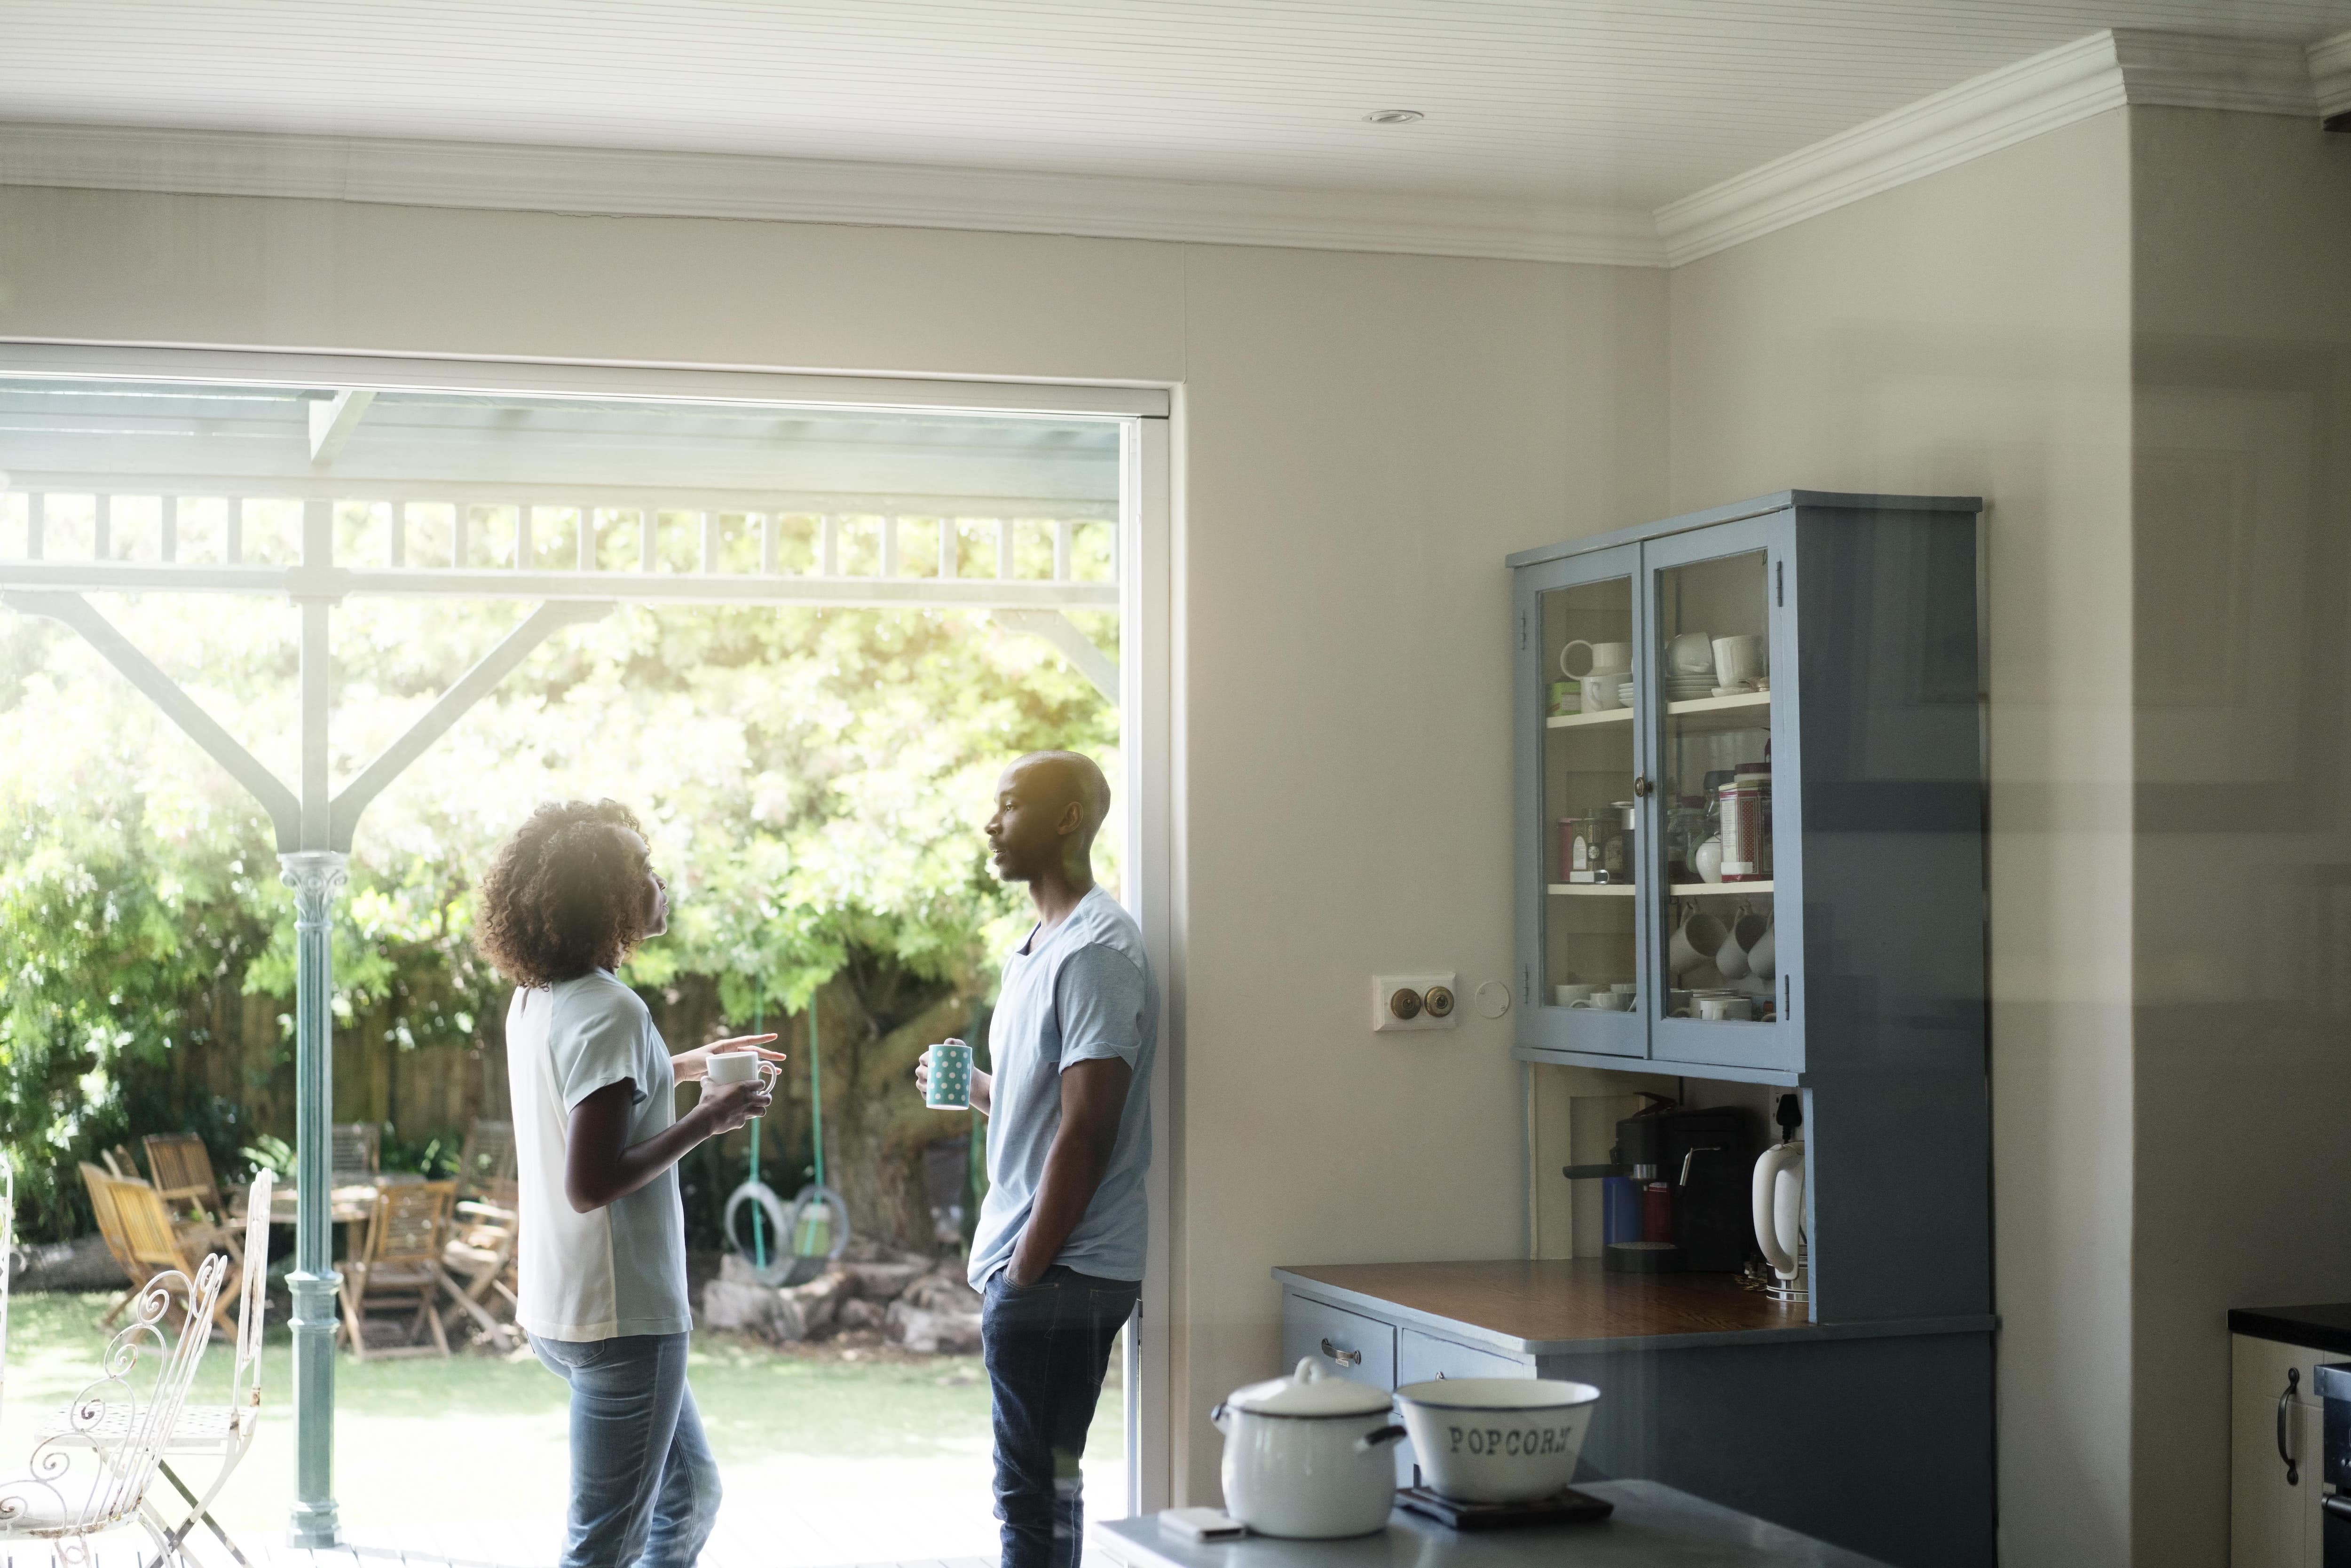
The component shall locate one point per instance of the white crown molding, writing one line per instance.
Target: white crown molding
(2052, 90)
(723, 185)
(2057, 87)
(2330, 75)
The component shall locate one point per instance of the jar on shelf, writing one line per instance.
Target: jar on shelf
(1745, 805)
(1618, 855)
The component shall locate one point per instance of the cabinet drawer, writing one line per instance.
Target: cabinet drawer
(1360, 1349)
(1422, 1357)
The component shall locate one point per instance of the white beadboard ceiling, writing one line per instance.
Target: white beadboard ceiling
(1589, 106)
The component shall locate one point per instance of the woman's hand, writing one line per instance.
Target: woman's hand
(727, 1106)
(692, 1066)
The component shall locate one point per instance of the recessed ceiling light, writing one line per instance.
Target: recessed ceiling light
(1395, 116)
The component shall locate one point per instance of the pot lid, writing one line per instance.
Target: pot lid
(1310, 1391)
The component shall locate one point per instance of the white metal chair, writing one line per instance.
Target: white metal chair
(94, 1475)
(220, 1432)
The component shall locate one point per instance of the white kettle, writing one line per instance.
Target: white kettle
(1780, 1220)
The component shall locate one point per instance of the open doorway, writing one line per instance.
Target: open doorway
(833, 621)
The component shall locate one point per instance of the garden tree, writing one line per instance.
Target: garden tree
(813, 784)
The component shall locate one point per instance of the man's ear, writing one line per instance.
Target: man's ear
(1074, 818)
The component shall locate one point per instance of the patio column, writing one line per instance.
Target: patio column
(316, 876)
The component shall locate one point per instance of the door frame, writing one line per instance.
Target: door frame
(1149, 689)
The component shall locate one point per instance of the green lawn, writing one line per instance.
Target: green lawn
(481, 1438)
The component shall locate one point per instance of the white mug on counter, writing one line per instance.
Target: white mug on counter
(1607, 658)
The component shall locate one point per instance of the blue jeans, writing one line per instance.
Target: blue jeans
(645, 1489)
(1047, 1348)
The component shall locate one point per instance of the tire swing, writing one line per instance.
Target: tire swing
(813, 1229)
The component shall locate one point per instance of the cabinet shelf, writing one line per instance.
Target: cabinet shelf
(1700, 715)
(1578, 720)
(1591, 889)
(1717, 889)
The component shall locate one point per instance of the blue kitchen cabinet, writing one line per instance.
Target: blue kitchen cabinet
(1819, 654)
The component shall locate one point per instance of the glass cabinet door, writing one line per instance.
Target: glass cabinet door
(1719, 936)
(1589, 976)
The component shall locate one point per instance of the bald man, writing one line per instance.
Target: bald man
(1058, 1256)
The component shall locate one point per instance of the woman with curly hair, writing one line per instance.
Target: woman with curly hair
(597, 1137)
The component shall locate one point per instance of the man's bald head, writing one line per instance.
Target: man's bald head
(1070, 775)
(1049, 805)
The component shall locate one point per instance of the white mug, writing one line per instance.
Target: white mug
(1691, 653)
(1726, 1009)
(1695, 941)
(1737, 659)
(1569, 995)
(1763, 959)
(1606, 1002)
(1607, 658)
(734, 1067)
(1600, 691)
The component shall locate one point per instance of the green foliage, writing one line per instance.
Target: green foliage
(811, 783)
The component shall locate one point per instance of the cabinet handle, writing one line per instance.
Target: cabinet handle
(1355, 1358)
(1641, 785)
(2285, 1415)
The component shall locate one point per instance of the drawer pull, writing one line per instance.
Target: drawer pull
(1355, 1358)
(2285, 1414)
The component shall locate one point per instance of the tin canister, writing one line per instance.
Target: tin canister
(1745, 807)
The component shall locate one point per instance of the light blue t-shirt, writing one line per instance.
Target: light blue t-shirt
(621, 1269)
(1079, 992)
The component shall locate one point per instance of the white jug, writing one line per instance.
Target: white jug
(1780, 1219)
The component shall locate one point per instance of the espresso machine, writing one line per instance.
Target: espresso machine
(1677, 1194)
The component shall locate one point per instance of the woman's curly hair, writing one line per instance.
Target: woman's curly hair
(566, 895)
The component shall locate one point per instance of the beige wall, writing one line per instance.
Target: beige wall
(1970, 334)
(2241, 880)
(1367, 435)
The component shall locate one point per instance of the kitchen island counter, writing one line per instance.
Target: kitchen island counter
(1562, 1307)
(1653, 1525)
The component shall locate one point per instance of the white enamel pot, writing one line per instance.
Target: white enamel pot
(1497, 1440)
(1308, 1456)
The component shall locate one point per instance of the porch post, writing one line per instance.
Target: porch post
(316, 876)
(316, 871)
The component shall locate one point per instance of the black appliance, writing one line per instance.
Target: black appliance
(1695, 1169)
(2332, 1386)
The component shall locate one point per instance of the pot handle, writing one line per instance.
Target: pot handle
(1370, 1440)
(1220, 1418)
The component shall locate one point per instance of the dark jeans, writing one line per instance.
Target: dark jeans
(645, 1489)
(1047, 1347)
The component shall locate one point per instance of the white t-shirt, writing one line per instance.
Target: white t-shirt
(618, 1270)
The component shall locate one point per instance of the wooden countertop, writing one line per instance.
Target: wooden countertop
(1558, 1307)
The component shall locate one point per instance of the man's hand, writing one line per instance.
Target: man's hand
(983, 1086)
(692, 1066)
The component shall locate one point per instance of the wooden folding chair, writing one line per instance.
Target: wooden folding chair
(119, 1163)
(182, 1169)
(358, 1151)
(487, 1158)
(478, 1263)
(100, 1187)
(399, 1267)
(157, 1246)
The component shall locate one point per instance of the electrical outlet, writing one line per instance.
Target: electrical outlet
(1402, 1003)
